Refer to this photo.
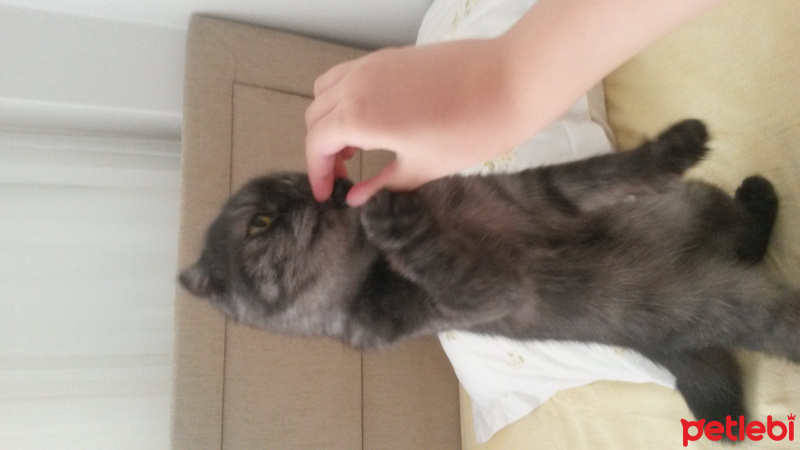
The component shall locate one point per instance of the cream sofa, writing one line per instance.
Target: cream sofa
(737, 68)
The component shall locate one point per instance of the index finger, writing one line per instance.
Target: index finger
(327, 147)
(321, 175)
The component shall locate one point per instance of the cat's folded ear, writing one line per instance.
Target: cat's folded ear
(197, 280)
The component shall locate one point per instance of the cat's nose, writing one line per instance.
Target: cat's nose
(340, 189)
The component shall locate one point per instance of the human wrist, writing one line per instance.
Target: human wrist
(517, 100)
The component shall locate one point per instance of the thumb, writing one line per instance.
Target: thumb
(364, 190)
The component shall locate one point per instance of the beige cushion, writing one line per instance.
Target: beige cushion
(738, 69)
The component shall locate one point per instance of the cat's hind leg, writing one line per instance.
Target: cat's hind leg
(680, 146)
(757, 195)
(776, 328)
(654, 167)
(708, 379)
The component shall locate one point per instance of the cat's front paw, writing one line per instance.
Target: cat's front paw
(681, 146)
(392, 219)
(758, 197)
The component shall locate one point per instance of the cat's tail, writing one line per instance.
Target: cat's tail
(779, 333)
(708, 379)
(739, 307)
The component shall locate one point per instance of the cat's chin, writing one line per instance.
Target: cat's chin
(339, 195)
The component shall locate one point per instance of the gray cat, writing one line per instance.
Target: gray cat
(614, 249)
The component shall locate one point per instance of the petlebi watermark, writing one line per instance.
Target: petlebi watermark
(738, 429)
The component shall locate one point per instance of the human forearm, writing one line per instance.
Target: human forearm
(445, 107)
(560, 48)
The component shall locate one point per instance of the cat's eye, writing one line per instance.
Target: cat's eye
(258, 224)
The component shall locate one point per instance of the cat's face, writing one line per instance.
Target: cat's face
(274, 257)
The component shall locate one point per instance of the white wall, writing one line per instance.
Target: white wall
(90, 122)
(367, 23)
(116, 66)
(90, 75)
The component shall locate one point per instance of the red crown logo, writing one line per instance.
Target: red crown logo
(791, 417)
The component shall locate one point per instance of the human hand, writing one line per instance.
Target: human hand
(444, 107)
(440, 108)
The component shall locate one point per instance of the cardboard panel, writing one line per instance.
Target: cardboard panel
(221, 54)
(285, 392)
(246, 92)
(269, 134)
(277, 388)
(199, 352)
(410, 397)
(410, 391)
